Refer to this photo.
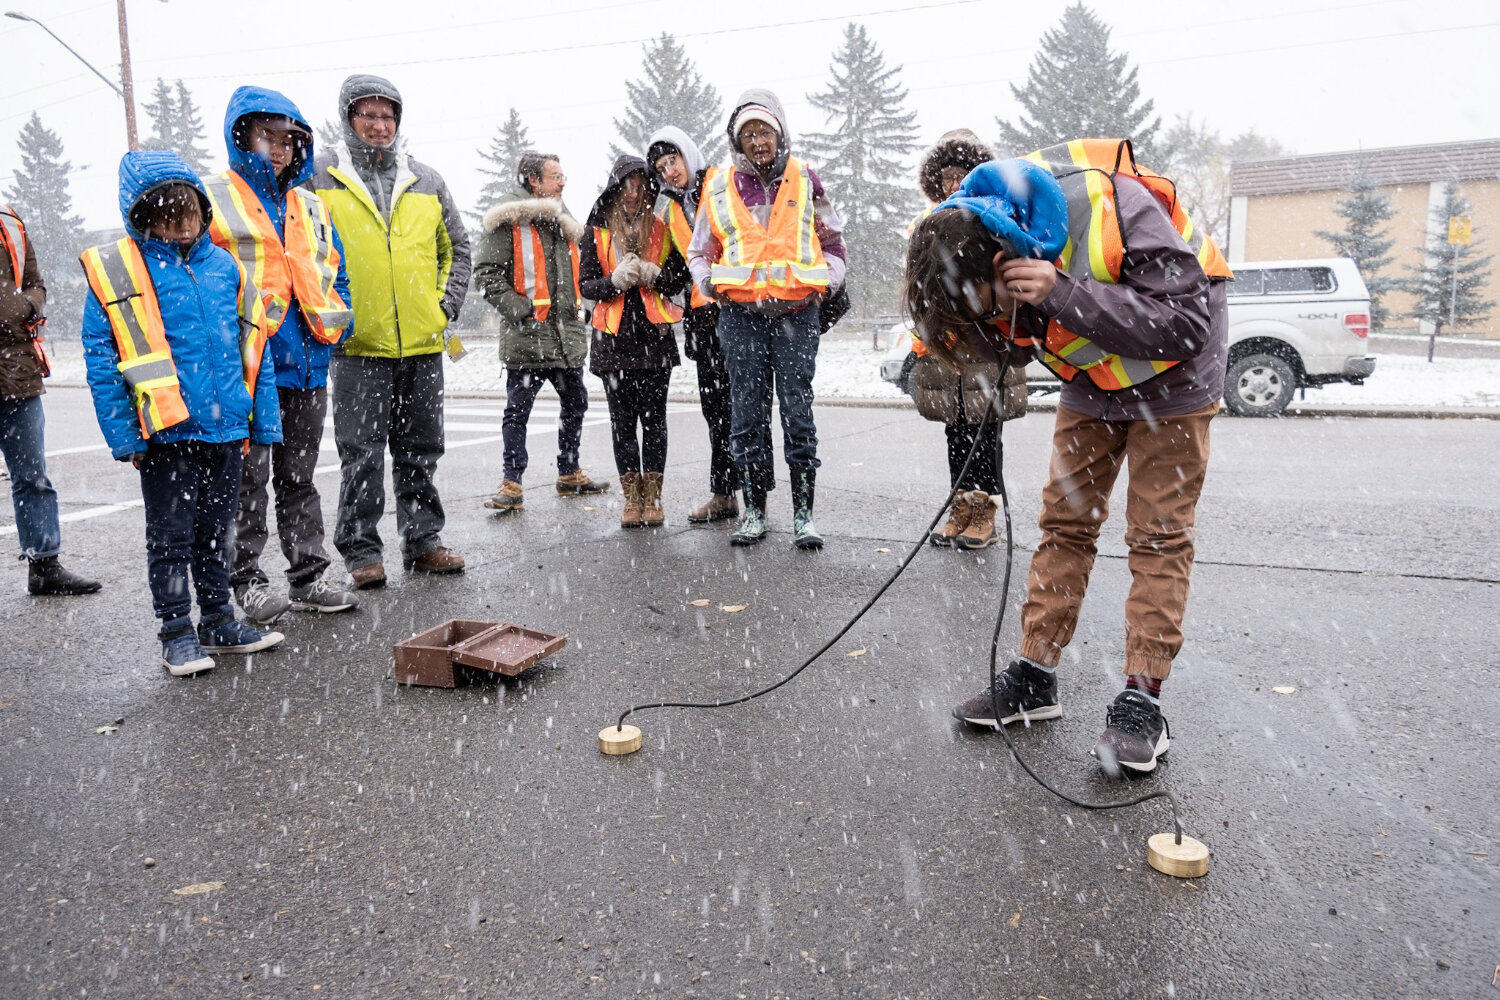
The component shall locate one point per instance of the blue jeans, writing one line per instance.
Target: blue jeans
(21, 434)
(521, 387)
(756, 348)
(191, 490)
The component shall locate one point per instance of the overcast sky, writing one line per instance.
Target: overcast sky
(1316, 75)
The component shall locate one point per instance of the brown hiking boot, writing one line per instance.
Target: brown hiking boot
(720, 507)
(631, 514)
(440, 560)
(980, 533)
(575, 483)
(368, 577)
(507, 499)
(652, 516)
(958, 519)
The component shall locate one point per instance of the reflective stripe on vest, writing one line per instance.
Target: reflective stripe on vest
(13, 234)
(1086, 170)
(118, 277)
(782, 260)
(671, 212)
(303, 265)
(659, 309)
(529, 270)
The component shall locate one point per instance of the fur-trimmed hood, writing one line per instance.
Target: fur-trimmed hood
(958, 148)
(521, 206)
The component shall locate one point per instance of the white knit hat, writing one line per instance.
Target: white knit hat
(754, 113)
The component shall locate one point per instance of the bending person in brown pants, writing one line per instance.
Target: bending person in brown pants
(1138, 312)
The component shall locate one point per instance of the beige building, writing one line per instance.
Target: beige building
(1277, 205)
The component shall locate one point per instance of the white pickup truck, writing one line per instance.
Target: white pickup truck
(1293, 324)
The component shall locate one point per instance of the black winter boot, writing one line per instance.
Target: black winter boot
(804, 534)
(46, 577)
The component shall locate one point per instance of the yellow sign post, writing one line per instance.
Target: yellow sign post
(1460, 230)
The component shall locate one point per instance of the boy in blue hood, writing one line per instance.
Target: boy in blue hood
(263, 217)
(1135, 321)
(182, 385)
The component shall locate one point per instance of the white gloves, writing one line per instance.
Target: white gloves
(626, 273)
(646, 273)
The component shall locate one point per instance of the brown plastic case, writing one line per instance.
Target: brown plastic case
(433, 658)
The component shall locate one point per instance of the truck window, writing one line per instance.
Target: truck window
(1281, 281)
(1246, 283)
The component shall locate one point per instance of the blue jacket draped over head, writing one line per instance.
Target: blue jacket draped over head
(1020, 202)
(199, 299)
(301, 360)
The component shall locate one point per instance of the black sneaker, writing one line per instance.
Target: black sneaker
(1136, 733)
(1026, 695)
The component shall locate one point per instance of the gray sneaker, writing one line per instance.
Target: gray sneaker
(260, 603)
(322, 597)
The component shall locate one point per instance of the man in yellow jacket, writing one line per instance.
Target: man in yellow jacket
(407, 254)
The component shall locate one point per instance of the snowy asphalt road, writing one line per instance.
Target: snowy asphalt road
(842, 837)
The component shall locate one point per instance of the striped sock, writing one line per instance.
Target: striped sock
(1148, 686)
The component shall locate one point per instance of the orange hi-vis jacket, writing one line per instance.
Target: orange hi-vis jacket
(782, 260)
(659, 309)
(670, 212)
(304, 265)
(1086, 169)
(13, 235)
(529, 272)
(118, 276)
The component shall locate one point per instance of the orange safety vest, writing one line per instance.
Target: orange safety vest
(659, 309)
(529, 271)
(1086, 169)
(671, 213)
(303, 265)
(13, 235)
(118, 276)
(783, 260)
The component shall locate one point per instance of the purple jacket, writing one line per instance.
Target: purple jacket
(1164, 308)
(758, 195)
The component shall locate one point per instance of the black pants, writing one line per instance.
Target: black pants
(702, 342)
(289, 466)
(521, 387)
(638, 399)
(395, 403)
(190, 489)
(983, 472)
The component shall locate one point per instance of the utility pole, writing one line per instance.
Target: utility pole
(126, 80)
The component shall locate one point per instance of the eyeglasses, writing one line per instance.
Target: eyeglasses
(556, 176)
(378, 119)
(757, 135)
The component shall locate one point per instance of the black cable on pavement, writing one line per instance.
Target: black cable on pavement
(995, 393)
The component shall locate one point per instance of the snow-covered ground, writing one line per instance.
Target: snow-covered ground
(848, 368)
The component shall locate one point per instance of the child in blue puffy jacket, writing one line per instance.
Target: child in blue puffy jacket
(175, 348)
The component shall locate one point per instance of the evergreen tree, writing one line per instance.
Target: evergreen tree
(176, 124)
(502, 158)
(187, 127)
(1364, 237)
(863, 163)
(39, 194)
(163, 111)
(329, 135)
(1078, 88)
(1449, 283)
(670, 92)
(1197, 159)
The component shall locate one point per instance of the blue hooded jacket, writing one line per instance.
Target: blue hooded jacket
(301, 360)
(199, 300)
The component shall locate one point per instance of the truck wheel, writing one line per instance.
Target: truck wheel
(1259, 385)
